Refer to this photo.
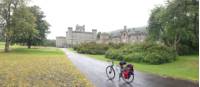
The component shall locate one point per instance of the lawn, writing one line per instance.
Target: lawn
(39, 67)
(186, 67)
(1, 45)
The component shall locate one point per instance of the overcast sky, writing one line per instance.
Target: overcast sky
(103, 15)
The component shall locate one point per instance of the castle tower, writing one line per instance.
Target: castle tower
(94, 31)
(125, 28)
(80, 28)
(69, 33)
(69, 37)
(124, 35)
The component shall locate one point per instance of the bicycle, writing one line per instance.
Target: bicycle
(110, 72)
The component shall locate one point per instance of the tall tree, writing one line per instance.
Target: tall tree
(41, 25)
(155, 27)
(7, 8)
(41, 28)
(176, 24)
(23, 21)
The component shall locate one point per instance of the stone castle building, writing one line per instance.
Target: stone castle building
(79, 35)
(128, 35)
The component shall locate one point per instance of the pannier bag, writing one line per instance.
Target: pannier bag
(129, 67)
(126, 74)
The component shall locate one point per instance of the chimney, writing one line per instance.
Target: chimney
(70, 29)
(125, 27)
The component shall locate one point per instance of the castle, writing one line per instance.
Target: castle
(79, 35)
(76, 37)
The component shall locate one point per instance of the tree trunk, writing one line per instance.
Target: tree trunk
(7, 44)
(29, 44)
(176, 42)
(196, 26)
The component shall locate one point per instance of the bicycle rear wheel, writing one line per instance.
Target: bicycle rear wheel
(110, 72)
(130, 79)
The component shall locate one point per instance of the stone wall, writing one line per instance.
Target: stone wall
(61, 42)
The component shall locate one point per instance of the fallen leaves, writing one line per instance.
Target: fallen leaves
(39, 70)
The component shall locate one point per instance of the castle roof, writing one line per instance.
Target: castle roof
(131, 31)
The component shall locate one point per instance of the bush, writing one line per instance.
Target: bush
(116, 46)
(114, 54)
(91, 48)
(184, 49)
(51, 43)
(158, 54)
(136, 57)
(96, 48)
(151, 53)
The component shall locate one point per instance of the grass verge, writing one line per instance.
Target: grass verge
(39, 67)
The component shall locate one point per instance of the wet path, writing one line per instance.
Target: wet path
(95, 72)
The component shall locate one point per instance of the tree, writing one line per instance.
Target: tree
(23, 21)
(41, 25)
(98, 35)
(7, 8)
(176, 24)
(155, 27)
(38, 37)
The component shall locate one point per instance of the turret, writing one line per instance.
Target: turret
(83, 28)
(94, 31)
(70, 29)
(80, 28)
(125, 28)
(69, 32)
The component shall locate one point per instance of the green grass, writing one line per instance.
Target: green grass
(39, 67)
(2, 45)
(186, 67)
(71, 49)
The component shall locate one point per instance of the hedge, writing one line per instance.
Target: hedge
(96, 48)
(150, 53)
(91, 48)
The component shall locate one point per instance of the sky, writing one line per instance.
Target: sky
(103, 15)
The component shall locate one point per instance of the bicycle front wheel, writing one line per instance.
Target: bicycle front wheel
(110, 72)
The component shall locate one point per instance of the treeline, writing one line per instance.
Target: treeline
(22, 24)
(176, 25)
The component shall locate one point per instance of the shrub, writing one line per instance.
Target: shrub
(184, 49)
(151, 53)
(91, 48)
(114, 54)
(136, 57)
(158, 54)
(116, 46)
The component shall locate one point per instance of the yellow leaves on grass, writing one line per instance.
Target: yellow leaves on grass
(39, 70)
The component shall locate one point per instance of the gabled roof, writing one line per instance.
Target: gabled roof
(131, 31)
